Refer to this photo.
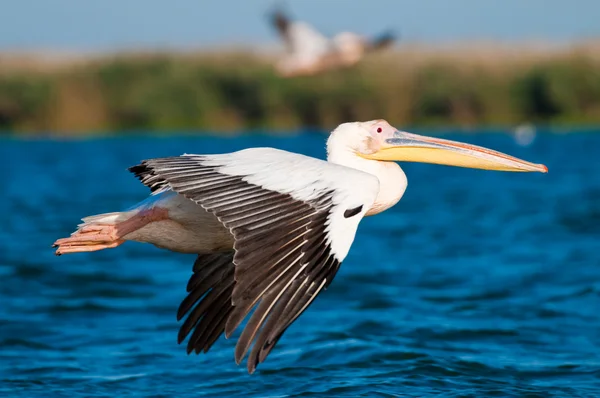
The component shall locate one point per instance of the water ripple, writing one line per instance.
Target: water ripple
(477, 284)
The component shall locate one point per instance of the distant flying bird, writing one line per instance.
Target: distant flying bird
(309, 52)
(270, 227)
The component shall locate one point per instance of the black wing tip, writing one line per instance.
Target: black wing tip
(181, 337)
(384, 40)
(206, 319)
(251, 367)
(279, 18)
(181, 312)
(146, 173)
(141, 170)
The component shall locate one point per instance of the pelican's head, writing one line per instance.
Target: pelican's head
(378, 140)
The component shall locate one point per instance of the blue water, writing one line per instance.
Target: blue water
(476, 284)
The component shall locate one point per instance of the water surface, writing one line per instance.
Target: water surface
(476, 284)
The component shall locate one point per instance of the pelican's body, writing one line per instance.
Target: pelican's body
(270, 227)
(188, 229)
(309, 52)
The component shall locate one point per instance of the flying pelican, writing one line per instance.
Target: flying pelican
(309, 52)
(270, 227)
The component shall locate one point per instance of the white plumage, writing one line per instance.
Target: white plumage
(310, 52)
(270, 227)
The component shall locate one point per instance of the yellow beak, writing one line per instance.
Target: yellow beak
(409, 147)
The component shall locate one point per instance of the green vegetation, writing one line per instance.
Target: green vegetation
(228, 92)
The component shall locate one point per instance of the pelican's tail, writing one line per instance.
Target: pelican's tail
(108, 230)
(105, 218)
(102, 231)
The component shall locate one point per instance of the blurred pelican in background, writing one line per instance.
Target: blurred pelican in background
(309, 52)
(270, 228)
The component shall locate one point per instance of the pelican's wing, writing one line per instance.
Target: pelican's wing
(301, 39)
(293, 219)
(382, 41)
(208, 301)
(282, 23)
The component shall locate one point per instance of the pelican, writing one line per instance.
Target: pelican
(270, 228)
(309, 52)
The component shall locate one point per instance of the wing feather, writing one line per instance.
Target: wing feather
(284, 252)
(217, 308)
(208, 301)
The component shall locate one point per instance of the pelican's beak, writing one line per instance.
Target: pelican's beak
(407, 147)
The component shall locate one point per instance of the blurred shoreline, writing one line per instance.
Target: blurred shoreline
(465, 85)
